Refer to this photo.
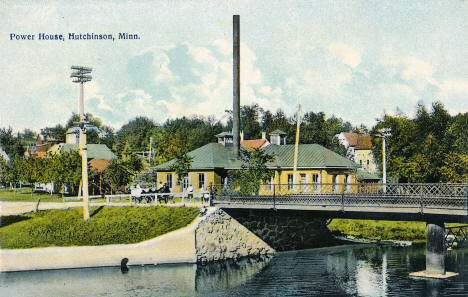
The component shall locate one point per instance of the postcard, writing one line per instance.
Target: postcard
(233, 148)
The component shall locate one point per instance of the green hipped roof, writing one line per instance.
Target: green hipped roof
(366, 175)
(215, 155)
(210, 156)
(95, 151)
(309, 155)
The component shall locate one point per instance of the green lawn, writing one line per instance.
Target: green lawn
(25, 195)
(384, 230)
(109, 225)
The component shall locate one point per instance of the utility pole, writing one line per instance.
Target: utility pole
(384, 133)
(296, 147)
(81, 76)
(236, 83)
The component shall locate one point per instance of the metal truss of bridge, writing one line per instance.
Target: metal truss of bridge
(446, 202)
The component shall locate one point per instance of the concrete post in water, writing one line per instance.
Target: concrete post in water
(435, 254)
(236, 84)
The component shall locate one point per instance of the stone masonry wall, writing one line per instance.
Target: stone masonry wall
(220, 237)
(286, 230)
(231, 234)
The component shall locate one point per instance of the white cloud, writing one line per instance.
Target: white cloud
(223, 46)
(349, 55)
(250, 74)
(418, 72)
(454, 86)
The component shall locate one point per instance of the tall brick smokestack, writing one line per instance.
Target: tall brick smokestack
(236, 84)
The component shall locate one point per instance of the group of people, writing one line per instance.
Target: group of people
(138, 193)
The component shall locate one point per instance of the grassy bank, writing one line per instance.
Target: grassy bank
(384, 230)
(26, 195)
(109, 225)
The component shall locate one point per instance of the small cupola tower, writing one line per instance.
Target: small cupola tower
(225, 138)
(278, 137)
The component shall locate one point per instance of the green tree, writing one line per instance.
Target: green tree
(137, 134)
(181, 166)
(58, 133)
(3, 170)
(428, 148)
(14, 171)
(253, 172)
(32, 170)
(11, 144)
(118, 175)
(65, 168)
(454, 168)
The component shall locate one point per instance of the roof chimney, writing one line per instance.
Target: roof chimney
(236, 84)
(263, 135)
(241, 135)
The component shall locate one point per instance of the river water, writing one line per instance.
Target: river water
(350, 270)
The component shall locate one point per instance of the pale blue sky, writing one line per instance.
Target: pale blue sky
(353, 59)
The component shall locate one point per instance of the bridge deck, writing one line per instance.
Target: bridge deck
(447, 202)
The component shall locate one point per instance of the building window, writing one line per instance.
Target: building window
(270, 184)
(368, 162)
(169, 180)
(201, 180)
(360, 162)
(348, 183)
(335, 184)
(185, 182)
(290, 181)
(316, 182)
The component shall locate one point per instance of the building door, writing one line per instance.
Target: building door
(304, 182)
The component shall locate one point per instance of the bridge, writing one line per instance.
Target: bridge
(435, 203)
(408, 202)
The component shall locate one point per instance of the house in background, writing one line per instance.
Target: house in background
(95, 151)
(254, 143)
(4, 155)
(73, 133)
(99, 158)
(359, 149)
(40, 148)
(99, 155)
(212, 162)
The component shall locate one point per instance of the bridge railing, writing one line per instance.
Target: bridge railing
(453, 196)
(389, 189)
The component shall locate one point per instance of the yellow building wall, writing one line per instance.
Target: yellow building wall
(325, 185)
(280, 178)
(210, 178)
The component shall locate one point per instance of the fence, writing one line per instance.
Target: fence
(447, 196)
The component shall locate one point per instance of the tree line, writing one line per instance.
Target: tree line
(432, 146)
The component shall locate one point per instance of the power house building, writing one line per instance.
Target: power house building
(318, 168)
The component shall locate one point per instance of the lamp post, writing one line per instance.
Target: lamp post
(81, 76)
(384, 133)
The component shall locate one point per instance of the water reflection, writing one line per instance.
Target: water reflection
(337, 271)
(228, 274)
(361, 270)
